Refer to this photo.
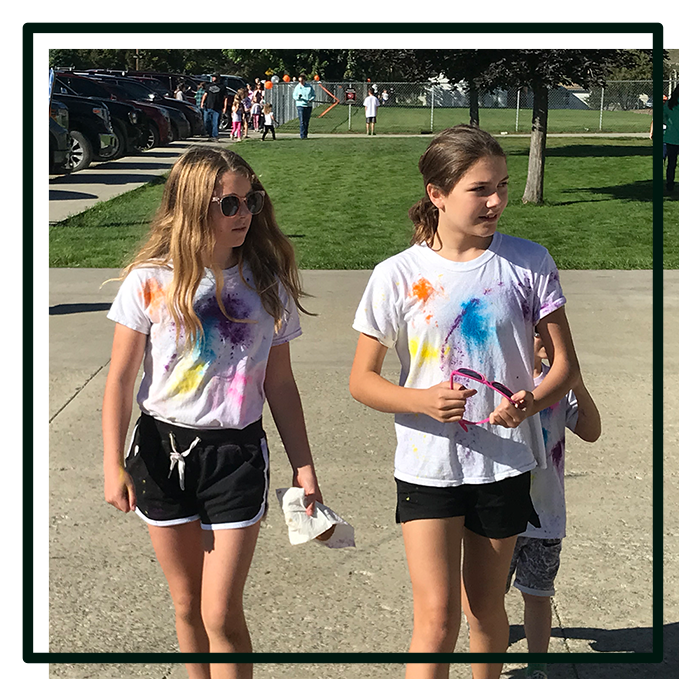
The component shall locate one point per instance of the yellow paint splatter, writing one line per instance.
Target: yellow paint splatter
(422, 353)
(187, 379)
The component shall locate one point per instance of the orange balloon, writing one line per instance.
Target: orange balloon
(317, 78)
(268, 85)
(286, 78)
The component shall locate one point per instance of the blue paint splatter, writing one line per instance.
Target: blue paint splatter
(473, 322)
(217, 327)
(474, 326)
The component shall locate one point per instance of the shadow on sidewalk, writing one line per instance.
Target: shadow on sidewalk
(633, 640)
(61, 309)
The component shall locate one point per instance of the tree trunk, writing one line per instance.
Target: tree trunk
(473, 104)
(534, 188)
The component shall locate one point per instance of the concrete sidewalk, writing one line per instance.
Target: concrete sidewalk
(107, 592)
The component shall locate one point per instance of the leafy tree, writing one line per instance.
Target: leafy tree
(470, 66)
(541, 70)
(264, 63)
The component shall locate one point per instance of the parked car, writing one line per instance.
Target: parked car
(136, 90)
(89, 128)
(129, 122)
(192, 113)
(161, 130)
(59, 137)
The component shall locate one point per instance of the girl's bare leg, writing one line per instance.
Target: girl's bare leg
(485, 572)
(433, 551)
(226, 567)
(180, 553)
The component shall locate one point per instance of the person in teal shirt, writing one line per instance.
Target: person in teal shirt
(671, 138)
(304, 95)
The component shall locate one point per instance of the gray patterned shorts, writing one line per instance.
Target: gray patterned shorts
(535, 564)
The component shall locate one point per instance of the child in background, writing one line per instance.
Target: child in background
(256, 109)
(269, 119)
(463, 296)
(247, 101)
(236, 118)
(208, 306)
(255, 112)
(371, 103)
(536, 557)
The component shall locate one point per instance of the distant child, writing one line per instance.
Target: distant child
(208, 306)
(256, 111)
(536, 557)
(269, 119)
(236, 117)
(371, 103)
(247, 101)
(465, 299)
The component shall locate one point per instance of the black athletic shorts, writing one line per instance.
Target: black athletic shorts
(496, 510)
(218, 476)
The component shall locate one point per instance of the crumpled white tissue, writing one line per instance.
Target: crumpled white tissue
(303, 528)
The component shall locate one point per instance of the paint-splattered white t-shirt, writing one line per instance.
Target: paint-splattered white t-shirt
(547, 485)
(219, 382)
(442, 315)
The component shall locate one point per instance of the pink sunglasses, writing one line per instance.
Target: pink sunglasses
(477, 377)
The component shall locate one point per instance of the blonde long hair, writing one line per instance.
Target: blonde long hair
(181, 239)
(450, 154)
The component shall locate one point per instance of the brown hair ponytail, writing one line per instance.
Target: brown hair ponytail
(448, 157)
(424, 215)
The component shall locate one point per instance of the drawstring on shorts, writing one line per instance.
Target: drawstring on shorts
(178, 459)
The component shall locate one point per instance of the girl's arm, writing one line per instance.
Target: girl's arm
(368, 387)
(285, 404)
(563, 374)
(588, 423)
(127, 354)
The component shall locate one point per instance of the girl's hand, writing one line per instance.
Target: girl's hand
(119, 489)
(305, 478)
(511, 416)
(444, 404)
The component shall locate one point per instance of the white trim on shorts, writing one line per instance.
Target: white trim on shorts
(263, 507)
(166, 523)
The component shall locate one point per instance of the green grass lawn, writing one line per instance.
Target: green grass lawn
(344, 204)
(407, 120)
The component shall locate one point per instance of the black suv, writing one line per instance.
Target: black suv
(159, 85)
(90, 129)
(129, 122)
(59, 137)
(130, 89)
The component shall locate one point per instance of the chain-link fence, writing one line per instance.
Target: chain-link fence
(620, 106)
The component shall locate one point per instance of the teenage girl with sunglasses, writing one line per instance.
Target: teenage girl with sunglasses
(208, 306)
(464, 296)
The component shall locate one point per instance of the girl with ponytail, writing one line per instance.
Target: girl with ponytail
(461, 307)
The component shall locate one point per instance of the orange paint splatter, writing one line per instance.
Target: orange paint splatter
(153, 296)
(422, 290)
